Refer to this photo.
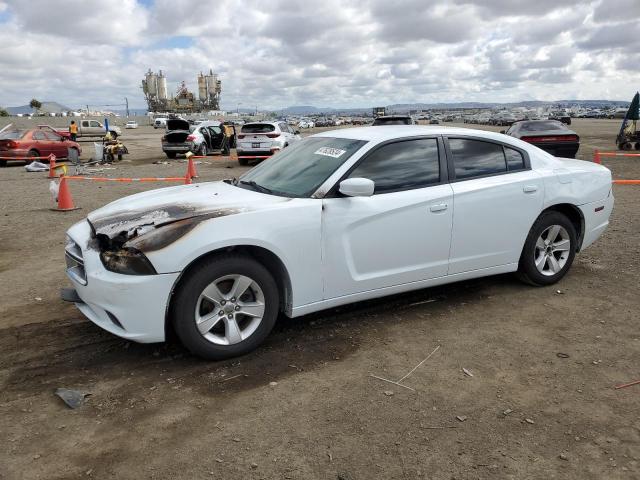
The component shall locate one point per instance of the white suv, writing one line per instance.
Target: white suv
(260, 140)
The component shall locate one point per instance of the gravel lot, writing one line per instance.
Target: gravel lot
(540, 404)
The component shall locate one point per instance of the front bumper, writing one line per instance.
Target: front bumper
(130, 306)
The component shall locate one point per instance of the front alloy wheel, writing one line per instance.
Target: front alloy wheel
(230, 309)
(225, 306)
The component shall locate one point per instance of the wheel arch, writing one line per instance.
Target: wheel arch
(266, 257)
(574, 214)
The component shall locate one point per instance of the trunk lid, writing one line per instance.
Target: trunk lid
(177, 124)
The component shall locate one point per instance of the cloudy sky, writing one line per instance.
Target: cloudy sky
(336, 53)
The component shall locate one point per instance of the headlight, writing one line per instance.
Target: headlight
(127, 261)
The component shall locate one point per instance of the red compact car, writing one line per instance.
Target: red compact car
(24, 145)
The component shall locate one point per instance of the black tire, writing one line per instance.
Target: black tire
(170, 154)
(202, 150)
(637, 146)
(3, 163)
(243, 161)
(626, 146)
(186, 299)
(527, 270)
(119, 156)
(32, 156)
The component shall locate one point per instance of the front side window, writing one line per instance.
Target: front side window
(401, 165)
(475, 158)
(298, 170)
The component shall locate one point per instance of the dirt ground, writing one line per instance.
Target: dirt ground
(540, 404)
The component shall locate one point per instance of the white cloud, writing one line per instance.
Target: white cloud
(330, 53)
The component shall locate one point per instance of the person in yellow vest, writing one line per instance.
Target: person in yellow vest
(73, 130)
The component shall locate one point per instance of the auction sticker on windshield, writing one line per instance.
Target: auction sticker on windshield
(330, 152)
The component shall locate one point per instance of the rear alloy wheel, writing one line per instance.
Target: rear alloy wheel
(225, 307)
(549, 249)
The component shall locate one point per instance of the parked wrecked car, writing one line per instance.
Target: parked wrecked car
(28, 144)
(339, 217)
(201, 139)
(393, 120)
(263, 139)
(550, 135)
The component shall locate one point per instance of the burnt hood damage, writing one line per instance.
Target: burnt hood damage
(152, 230)
(152, 220)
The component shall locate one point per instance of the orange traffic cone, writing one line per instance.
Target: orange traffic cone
(187, 178)
(596, 157)
(52, 167)
(65, 200)
(193, 173)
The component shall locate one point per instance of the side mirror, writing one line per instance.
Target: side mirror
(357, 187)
(503, 131)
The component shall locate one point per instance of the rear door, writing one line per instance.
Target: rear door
(41, 143)
(496, 198)
(399, 235)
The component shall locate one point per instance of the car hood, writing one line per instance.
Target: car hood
(127, 221)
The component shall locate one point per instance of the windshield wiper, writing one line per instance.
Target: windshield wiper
(256, 186)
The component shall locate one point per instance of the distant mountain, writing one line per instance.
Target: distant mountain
(47, 107)
(406, 107)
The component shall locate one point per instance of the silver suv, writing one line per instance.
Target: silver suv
(260, 140)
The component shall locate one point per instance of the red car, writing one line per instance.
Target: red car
(23, 144)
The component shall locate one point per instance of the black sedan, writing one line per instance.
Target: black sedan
(550, 135)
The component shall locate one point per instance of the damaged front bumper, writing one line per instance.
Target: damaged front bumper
(130, 306)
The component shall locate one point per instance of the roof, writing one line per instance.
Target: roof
(389, 132)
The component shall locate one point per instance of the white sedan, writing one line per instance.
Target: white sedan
(336, 218)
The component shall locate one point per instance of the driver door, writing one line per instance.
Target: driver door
(399, 235)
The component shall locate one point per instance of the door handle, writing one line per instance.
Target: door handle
(438, 208)
(530, 189)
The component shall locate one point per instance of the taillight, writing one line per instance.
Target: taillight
(12, 144)
(241, 136)
(273, 135)
(190, 138)
(551, 138)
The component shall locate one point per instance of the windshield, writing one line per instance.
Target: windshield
(258, 128)
(298, 170)
(12, 134)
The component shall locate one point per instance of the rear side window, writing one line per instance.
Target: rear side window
(257, 128)
(38, 135)
(401, 165)
(475, 158)
(515, 160)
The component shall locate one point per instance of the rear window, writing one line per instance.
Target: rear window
(542, 126)
(392, 121)
(12, 134)
(258, 128)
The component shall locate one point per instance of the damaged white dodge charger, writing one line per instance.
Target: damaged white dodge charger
(339, 217)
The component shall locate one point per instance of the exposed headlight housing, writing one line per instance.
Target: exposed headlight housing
(127, 261)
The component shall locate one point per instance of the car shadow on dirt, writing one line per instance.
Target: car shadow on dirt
(70, 351)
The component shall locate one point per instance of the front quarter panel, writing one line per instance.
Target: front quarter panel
(290, 230)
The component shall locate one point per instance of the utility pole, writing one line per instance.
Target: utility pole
(126, 102)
